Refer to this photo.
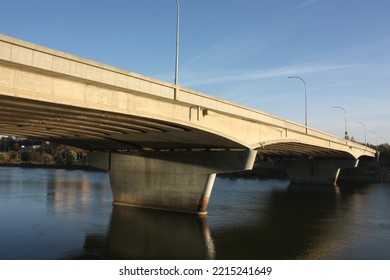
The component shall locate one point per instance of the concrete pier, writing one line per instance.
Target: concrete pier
(315, 171)
(173, 181)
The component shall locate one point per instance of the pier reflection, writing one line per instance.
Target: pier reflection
(297, 222)
(60, 214)
(264, 220)
(147, 234)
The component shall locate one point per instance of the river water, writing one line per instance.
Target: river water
(68, 214)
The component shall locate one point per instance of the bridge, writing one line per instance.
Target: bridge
(162, 144)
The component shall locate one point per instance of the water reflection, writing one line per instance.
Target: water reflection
(280, 223)
(287, 227)
(306, 222)
(147, 234)
(75, 191)
(57, 214)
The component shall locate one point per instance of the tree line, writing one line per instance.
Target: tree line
(16, 150)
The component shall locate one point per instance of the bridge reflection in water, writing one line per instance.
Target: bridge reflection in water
(275, 222)
(57, 214)
(147, 234)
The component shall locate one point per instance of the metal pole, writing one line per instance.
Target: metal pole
(383, 139)
(177, 43)
(365, 134)
(296, 77)
(376, 138)
(345, 120)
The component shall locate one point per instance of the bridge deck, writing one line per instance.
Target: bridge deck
(72, 100)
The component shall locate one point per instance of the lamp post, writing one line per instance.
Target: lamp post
(376, 138)
(177, 43)
(296, 77)
(345, 120)
(383, 139)
(365, 134)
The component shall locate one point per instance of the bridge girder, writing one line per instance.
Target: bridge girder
(67, 99)
(99, 130)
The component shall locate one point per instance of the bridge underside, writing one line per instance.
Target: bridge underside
(295, 149)
(151, 163)
(100, 130)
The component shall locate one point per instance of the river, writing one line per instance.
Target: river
(68, 214)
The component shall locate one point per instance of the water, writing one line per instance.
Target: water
(62, 214)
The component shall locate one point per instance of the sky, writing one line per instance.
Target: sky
(239, 50)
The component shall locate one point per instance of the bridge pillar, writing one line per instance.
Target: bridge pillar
(315, 170)
(174, 181)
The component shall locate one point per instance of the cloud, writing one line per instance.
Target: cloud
(238, 47)
(224, 52)
(204, 78)
(304, 4)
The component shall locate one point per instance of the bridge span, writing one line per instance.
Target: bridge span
(161, 144)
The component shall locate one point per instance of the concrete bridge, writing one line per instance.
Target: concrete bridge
(161, 144)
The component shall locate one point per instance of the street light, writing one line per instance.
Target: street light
(376, 138)
(296, 77)
(365, 134)
(177, 43)
(345, 120)
(383, 139)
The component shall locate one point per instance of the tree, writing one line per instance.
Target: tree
(35, 150)
(31, 156)
(7, 144)
(3, 157)
(13, 155)
(70, 157)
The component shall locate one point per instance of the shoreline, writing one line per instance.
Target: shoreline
(365, 174)
(51, 166)
(357, 174)
(347, 175)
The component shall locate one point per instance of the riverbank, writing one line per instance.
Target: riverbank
(358, 174)
(365, 174)
(51, 166)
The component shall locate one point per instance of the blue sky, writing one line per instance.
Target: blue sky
(239, 50)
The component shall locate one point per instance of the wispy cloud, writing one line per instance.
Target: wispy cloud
(238, 47)
(303, 4)
(241, 47)
(205, 78)
(244, 44)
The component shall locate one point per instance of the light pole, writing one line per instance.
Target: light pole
(383, 139)
(296, 77)
(177, 43)
(376, 138)
(345, 120)
(365, 134)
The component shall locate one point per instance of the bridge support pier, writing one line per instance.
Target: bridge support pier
(316, 170)
(173, 181)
